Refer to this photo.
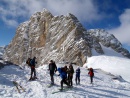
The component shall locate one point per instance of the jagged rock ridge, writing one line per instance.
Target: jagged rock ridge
(61, 38)
(108, 40)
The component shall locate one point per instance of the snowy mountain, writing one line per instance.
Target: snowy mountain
(49, 37)
(108, 40)
(105, 84)
(61, 38)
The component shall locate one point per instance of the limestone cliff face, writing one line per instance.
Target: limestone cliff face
(47, 37)
(60, 38)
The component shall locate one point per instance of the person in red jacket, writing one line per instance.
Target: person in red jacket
(91, 74)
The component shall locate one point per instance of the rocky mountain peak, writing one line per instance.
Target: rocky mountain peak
(60, 38)
(108, 40)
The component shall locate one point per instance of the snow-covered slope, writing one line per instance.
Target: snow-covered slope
(112, 62)
(104, 86)
(114, 65)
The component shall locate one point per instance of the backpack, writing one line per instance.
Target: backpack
(28, 61)
(78, 71)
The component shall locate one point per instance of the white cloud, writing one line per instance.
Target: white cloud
(123, 31)
(84, 10)
(10, 22)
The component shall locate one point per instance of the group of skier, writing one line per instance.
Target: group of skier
(66, 73)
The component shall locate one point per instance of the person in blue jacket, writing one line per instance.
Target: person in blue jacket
(77, 79)
(63, 75)
(33, 70)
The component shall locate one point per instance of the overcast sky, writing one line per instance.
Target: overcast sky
(111, 15)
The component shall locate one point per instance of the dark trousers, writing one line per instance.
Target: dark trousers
(91, 79)
(52, 77)
(77, 79)
(33, 71)
(63, 81)
(70, 77)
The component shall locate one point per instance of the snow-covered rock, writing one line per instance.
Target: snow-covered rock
(2, 50)
(108, 40)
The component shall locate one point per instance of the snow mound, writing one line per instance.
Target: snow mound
(115, 65)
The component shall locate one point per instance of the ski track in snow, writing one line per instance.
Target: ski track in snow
(103, 87)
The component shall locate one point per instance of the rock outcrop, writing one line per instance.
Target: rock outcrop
(60, 38)
(108, 40)
(47, 37)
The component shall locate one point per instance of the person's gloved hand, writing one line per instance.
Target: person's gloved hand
(55, 71)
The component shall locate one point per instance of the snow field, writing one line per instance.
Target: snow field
(103, 87)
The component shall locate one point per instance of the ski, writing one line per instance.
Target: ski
(16, 84)
(61, 90)
(49, 85)
(33, 79)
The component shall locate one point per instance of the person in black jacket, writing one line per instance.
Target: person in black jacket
(52, 69)
(70, 72)
(33, 70)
